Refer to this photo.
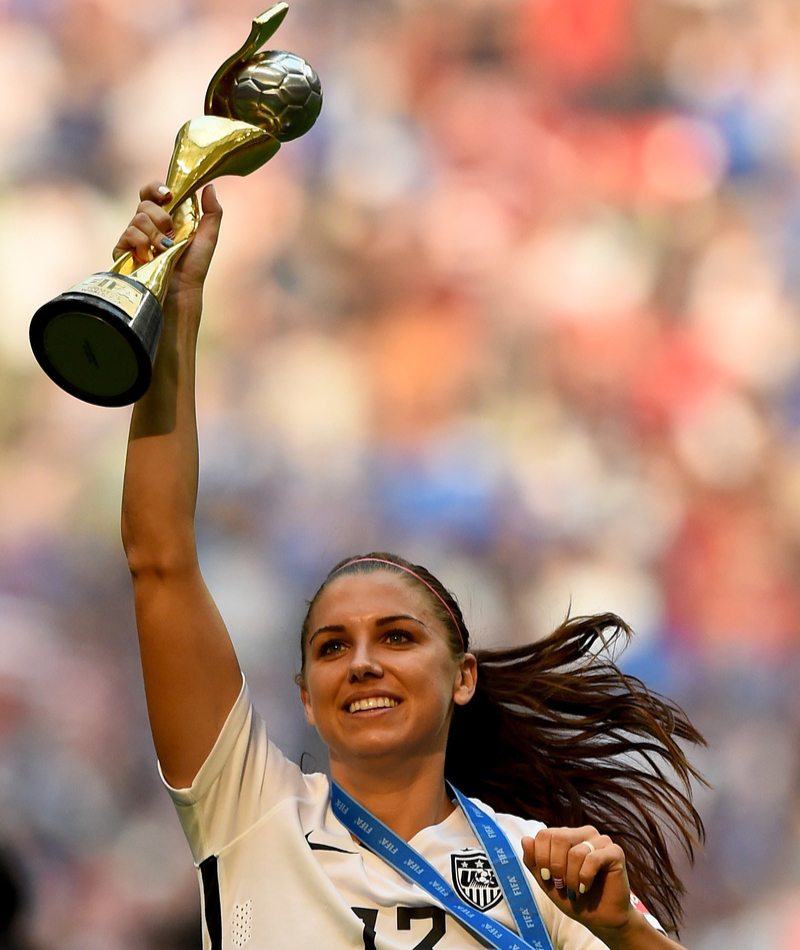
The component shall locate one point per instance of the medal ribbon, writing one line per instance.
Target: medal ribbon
(409, 863)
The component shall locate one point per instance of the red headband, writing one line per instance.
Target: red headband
(400, 567)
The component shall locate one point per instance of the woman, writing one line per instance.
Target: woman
(544, 733)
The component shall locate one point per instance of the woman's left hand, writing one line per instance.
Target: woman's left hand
(583, 873)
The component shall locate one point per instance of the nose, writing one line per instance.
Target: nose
(363, 664)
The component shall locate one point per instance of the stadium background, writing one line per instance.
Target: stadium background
(523, 306)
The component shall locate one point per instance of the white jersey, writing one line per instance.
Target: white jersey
(279, 872)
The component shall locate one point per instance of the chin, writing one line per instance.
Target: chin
(376, 748)
(367, 749)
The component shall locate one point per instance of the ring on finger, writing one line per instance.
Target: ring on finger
(589, 845)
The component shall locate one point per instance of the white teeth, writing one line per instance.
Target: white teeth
(373, 702)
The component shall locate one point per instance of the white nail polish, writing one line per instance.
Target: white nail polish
(163, 190)
(545, 874)
(582, 888)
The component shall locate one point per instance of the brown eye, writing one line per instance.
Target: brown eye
(398, 637)
(330, 648)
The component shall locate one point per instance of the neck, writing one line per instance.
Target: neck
(406, 802)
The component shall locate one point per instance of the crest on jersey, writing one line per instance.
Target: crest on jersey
(474, 879)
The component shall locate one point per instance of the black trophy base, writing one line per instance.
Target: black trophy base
(98, 340)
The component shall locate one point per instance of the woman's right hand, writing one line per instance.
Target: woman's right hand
(151, 231)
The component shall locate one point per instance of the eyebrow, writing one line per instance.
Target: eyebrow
(380, 622)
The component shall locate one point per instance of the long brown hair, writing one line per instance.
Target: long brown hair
(557, 733)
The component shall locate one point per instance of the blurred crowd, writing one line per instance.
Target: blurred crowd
(523, 306)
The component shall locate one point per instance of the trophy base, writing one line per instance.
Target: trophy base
(98, 340)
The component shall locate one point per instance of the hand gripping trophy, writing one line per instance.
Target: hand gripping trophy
(98, 340)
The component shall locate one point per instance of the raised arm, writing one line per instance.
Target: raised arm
(191, 674)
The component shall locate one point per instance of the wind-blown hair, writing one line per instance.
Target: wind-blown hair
(557, 733)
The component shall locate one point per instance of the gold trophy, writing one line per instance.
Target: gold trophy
(98, 340)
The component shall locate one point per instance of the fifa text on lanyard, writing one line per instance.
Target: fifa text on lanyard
(399, 855)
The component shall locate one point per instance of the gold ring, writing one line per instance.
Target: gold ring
(590, 845)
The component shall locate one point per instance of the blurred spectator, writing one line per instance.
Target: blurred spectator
(180, 934)
(14, 903)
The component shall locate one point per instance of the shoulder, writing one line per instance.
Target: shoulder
(245, 778)
(245, 762)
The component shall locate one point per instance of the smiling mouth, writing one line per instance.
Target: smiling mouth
(373, 702)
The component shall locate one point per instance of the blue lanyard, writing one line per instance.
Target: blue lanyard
(399, 855)
(509, 871)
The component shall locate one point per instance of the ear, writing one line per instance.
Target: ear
(467, 680)
(306, 700)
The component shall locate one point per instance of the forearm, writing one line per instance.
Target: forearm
(160, 488)
(637, 935)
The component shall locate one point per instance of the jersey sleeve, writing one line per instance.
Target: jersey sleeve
(243, 778)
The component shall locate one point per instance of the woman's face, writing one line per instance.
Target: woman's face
(380, 679)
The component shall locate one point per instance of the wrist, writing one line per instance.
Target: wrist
(182, 314)
(634, 934)
(184, 299)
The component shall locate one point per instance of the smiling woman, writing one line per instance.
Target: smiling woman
(514, 799)
(380, 681)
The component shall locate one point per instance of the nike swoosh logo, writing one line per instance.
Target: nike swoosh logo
(315, 846)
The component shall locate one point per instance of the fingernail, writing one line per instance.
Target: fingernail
(545, 874)
(163, 190)
(165, 242)
(558, 882)
(571, 894)
(582, 888)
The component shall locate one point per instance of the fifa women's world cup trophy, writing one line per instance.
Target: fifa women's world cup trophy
(98, 340)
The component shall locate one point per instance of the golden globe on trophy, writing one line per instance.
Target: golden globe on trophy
(98, 340)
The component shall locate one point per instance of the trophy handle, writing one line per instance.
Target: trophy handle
(210, 146)
(206, 148)
(262, 29)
